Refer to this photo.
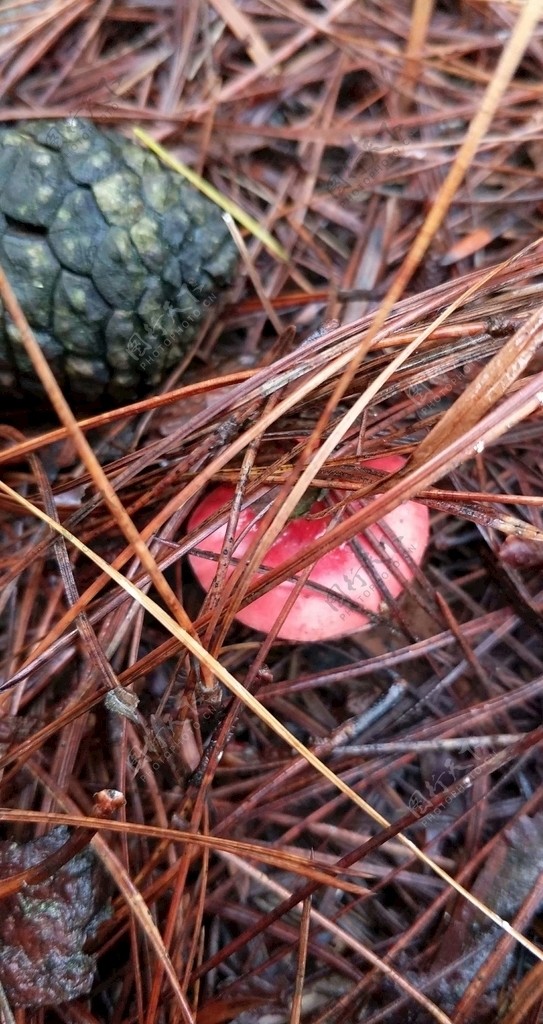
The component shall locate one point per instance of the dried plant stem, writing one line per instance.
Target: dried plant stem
(88, 457)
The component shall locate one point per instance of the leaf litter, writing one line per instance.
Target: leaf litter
(303, 124)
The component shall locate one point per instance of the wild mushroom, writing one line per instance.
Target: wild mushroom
(344, 585)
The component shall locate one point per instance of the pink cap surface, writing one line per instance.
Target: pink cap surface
(347, 588)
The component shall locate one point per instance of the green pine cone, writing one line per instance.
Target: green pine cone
(114, 259)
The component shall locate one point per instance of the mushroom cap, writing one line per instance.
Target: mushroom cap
(342, 586)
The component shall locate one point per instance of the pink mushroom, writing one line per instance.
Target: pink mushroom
(348, 589)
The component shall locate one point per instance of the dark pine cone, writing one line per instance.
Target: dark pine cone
(114, 259)
(44, 927)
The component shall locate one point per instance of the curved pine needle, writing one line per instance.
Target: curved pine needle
(265, 716)
(212, 193)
